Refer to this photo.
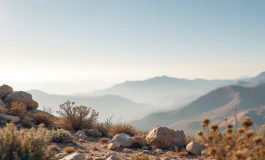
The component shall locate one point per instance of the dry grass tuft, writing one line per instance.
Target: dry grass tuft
(54, 147)
(122, 128)
(183, 153)
(105, 127)
(240, 144)
(69, 149)
(104, 140)
(44, 117)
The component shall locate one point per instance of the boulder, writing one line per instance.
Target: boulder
(92, 132)
(123, 139)
(81, 134)
(3, 122)
(74, 156)
(22, 97)
(114, 146)
(7, 117)
(5, 90)
(2, 104)
(195, 148)
(164, 138)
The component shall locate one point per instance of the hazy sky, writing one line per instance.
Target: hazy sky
(118, 40)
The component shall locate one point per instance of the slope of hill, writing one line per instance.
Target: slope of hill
(216, 105)
(258, 78)
(164, 90)
(106, 105)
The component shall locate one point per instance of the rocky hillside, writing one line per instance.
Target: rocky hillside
(9, 96)
(217, 105)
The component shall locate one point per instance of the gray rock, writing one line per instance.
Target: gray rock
(159, 151)
(112, 158)
(22, 97)
(145, 147)
(7, 117)
(123, 139)
(5, 90)
(92, 132)
(195, 148)
(3, 122)
(81, 134)
(164, 138)
(2, 104)
(114, 146)
(146, 151)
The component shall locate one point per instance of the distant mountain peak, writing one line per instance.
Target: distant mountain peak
(260, 77)
(262, 74)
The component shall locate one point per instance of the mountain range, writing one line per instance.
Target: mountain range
(107, 105)
(164, 90)
(174, 102)
(216, 105)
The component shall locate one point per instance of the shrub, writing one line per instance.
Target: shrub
(139, 141)
(61, 135)
(105, 127)
(19, 109)
(69, 149)
(78, 117)
(43, 117)
(24, 144)
(122, 128)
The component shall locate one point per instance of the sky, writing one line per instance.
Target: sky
(103, 42)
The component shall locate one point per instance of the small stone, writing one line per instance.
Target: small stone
(112, 158)
(159, 151)
(81, 134)
(195, 148)
(126, 150)
(114, 146)
(146, 151)
(145, 148)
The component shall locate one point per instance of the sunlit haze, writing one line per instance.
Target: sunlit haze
(88, 45)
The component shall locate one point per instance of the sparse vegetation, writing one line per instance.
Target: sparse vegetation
(44, 117)
(19, 109)
(54, 147)
(25, 144)
(235, 143)
(61, 135)
(76, 117)
(122, 128)
(104, 140)
(104, 127)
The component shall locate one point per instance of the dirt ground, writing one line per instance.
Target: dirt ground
(92, 148)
